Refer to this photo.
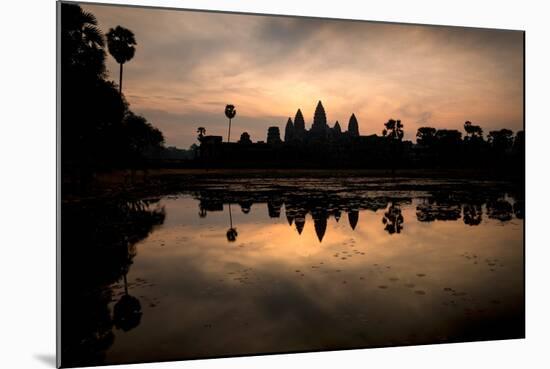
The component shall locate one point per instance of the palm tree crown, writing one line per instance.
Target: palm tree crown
(121, 43)
(230, 113)
(82, 41)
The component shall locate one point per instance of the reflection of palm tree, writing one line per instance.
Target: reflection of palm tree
(231, 232)
(127, 311)
(230, 113)
(121, 43)
(393, 219)
(472, 214)
(499, 209)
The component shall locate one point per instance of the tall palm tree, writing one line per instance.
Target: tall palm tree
(230, 113)
(121, 43)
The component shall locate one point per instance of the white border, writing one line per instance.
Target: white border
(28, 181)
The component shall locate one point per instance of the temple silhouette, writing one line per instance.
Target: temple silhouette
(319, 146)
(326, 145)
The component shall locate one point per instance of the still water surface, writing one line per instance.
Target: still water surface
(230, 273)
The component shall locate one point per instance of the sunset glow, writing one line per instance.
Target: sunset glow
(188, 65)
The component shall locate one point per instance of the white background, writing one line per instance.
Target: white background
(27, 205)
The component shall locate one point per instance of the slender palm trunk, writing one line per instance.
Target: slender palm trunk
(120, 81)
(230, 218)
(229, 133)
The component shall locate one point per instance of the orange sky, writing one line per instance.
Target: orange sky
(189, 65)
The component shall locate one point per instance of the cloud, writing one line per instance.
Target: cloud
(188, 65)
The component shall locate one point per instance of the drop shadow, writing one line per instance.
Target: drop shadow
(47, 359)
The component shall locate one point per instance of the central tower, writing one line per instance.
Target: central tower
(319, 119)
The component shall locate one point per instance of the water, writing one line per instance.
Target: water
(244, 269)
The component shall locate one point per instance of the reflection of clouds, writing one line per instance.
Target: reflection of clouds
(290, 290)
(269, 67)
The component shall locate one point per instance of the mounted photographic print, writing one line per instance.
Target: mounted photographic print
(241, 184)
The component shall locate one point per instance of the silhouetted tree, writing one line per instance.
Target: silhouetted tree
(81, 43)
(519, 142)
(394, 132)
(230, 113)
(121, 43)
(518, 151)
(201, 131)
(472, 131)
(94, 114)
(501, 140)
(425, 136)
(141, 137)
(448, 145)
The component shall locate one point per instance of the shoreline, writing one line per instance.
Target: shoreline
(163, 182)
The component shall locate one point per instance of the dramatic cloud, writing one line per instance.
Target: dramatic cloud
(188, 65)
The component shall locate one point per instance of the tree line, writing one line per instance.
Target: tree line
(99, 131)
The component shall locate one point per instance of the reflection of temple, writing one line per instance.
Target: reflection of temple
(321, 145)
(321, 206)
(297, 208)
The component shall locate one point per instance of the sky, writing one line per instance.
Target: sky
(189, 65)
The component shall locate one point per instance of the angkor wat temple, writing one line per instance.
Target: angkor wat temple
(295, 132)
(319, 146)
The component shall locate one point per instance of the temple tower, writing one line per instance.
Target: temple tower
(299, 126)
(273, 135)
(289, 131)
(337, 129)
(353, 126)
(319, 119)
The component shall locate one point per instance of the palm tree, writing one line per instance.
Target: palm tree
(121, 44)
(201, 131)
(82, 41)
(394, 132)
(230, 113)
